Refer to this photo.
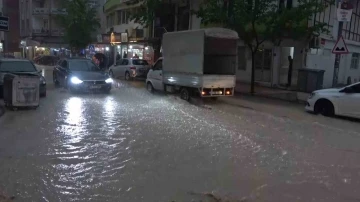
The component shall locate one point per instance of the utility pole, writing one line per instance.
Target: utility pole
(337, 56)
(343, 4)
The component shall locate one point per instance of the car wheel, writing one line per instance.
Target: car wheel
(150, 87)
(111, 74)
(185, 94)
(127, 76)
(325, 107)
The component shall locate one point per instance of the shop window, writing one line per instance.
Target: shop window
(355, 61)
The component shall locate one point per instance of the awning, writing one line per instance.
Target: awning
(28, 42)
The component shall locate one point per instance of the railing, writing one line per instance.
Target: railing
(58, 11)
(41, 11)
(40, 32)
(57, 32)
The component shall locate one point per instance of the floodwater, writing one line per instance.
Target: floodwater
(135, 146)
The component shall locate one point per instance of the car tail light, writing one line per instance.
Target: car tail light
(133, 68)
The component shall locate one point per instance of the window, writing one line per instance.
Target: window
(241, 58)
(118, 62)
(119, 13)
(124, 17)
(140, 62)
(158, 65)
(64, 64)
(125, 62)
(83, 65)
(356, 88)
(355, 61)
(15, 66)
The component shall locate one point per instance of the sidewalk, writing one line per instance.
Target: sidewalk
(274, 93)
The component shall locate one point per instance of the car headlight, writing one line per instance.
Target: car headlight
(109, 80)
(75, 80)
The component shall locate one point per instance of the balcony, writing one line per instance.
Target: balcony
(40, 32)
(58, 11)
(57, 32)
(41, 11)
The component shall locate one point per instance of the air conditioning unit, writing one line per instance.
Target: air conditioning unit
(315, 42)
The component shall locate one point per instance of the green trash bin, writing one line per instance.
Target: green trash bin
(310, 80)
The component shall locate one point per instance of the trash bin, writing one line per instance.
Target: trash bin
(21, 90)
(310, 80)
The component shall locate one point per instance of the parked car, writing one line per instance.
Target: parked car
(49, 60)
(81, 74)
(336, 101)
(129, 68)
(20, 66)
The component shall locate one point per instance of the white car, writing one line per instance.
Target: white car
(154, 78)
(129, 68)
(336, 101)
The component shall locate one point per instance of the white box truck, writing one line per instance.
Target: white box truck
(196, 63)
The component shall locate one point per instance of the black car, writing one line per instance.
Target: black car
(81, 74)
(20, 66)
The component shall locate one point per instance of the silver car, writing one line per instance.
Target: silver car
(129, 68)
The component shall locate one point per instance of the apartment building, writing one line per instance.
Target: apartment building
(146, 41)
(39, 28)
(1, 33)
(11, 38)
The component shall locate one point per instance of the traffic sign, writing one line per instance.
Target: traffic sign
(340, 47)
(4, 23)
(91, 47)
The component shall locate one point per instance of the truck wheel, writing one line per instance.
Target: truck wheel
(185, 94)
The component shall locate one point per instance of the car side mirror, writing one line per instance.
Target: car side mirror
(39, 71)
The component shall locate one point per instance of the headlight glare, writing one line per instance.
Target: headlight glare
(109, 80)
(75, 80)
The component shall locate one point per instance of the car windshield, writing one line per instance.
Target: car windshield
(17, 66)
(83, 66)
(140, 62)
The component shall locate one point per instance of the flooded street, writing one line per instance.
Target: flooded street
(131, 145)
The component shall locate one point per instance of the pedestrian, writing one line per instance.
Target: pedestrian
(136, 56)
(290, 70)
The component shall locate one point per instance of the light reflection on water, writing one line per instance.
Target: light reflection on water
(74, 108)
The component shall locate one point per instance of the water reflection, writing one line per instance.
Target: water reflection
(73, 107)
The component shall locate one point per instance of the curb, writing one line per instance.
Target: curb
(293, 100)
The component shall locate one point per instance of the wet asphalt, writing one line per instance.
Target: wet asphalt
(131, 145)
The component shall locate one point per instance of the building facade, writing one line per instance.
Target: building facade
(146, 41)
(39, 28)
(273, 65)
(1, 33)
(11, 38)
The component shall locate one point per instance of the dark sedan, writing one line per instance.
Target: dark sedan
(19, 66)
(81, 74)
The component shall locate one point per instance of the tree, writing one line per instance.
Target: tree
(79, 23)
(144, 14)
(257, 21)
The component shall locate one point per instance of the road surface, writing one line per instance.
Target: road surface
(135, 146)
